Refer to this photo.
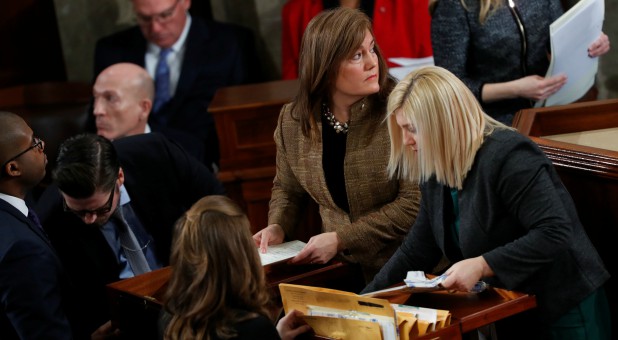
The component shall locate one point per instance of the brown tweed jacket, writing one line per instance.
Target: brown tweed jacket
(381, 210)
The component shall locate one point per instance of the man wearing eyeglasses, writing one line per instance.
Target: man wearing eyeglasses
(31, 275)
(189, 58)
(112, 213)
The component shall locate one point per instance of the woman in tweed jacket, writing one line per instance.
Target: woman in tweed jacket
(494, 206)
(481, 42)
(332, 145)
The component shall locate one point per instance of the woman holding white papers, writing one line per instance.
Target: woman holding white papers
(494, 206)
(332, 146)
(217, 289)
(500, 50)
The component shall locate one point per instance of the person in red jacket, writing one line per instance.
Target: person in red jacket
(401, 27)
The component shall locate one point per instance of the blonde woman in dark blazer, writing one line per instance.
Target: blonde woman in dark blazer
(495, 207)
(333, 146)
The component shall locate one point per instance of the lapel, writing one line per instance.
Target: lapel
(195, 53)
(11, 210)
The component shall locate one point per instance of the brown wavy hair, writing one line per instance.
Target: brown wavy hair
(217, 276)
(331, 37)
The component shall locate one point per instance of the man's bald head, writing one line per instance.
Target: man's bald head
(123, 96)
(21, 156)
(12, 127)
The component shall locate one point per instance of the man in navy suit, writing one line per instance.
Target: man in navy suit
(31, 275)
(203, 56)
(96, 180)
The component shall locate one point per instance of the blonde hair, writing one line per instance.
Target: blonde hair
(331, 37)
(486, 7)
(216, 272)
(450, 126)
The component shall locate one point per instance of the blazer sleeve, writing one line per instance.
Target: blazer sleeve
(197, 180)
(450, 39)
(418, 251)
(390, 223)
(30, 292)
(526, 188)
(287, 193)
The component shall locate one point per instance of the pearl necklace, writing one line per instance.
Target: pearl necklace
(337, 125)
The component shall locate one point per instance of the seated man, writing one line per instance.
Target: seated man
(123, 95)
(112, 213)
(189, 58)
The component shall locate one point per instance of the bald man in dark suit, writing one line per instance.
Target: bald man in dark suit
(204, 55)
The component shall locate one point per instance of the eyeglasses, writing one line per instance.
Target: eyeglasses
(160, 18)
(107, 207)
(36, 143)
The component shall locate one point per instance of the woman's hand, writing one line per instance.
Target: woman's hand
(464, 274)
(273, 234)
(105, 332)
(538, 88)
(320, 249)
(291, 325)
(599, 46)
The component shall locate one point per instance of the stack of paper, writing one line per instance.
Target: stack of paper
(408, 65)
(343, 315)
(417, 282)
(570, 36)
(415, 321)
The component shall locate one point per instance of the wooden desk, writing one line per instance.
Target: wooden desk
(246, 117)
(135, 303)
(470, 311)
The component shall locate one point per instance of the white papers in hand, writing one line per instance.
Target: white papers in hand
(417, 282)
(281, 252)
(408, 65)
(570, 36)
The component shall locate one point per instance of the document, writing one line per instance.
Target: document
(281, 252)
(417, 282)
(408, 65)
(570, 36)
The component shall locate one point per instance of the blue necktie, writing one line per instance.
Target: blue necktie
(133, 251)
(162, 81)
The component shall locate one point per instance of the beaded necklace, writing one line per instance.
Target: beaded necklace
(337, 125)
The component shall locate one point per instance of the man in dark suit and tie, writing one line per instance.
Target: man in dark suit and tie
(189, 58)
(114, 208)
(31, 276)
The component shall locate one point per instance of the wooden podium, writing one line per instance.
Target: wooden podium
(135, 303)
(246, 117)
(582, 142)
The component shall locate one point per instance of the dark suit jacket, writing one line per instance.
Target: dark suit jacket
(163, 182)
(31, 279)
(216, 55)
(515, 212)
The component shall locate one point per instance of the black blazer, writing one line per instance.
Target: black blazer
(516, 213)
(31, 281)
(216, 55)
(163, 182)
